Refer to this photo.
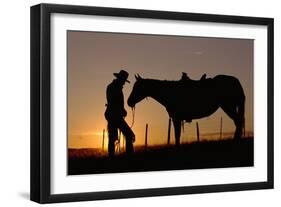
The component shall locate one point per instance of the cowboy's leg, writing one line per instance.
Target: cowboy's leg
(112, 136)
(129, 134)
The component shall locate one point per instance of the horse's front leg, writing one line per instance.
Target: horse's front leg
(177, 127)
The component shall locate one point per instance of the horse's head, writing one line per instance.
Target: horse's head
(138, 93)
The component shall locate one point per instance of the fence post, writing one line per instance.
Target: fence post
(146, 129)
(119, 141)
(169, 130)
(121, 135)
(221, 129)
(197, 129)
(123, 143)
(103, 132)
(244, 129)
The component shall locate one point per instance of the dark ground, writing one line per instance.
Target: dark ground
(211, 154)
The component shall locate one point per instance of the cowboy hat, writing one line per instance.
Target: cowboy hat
(122, 75)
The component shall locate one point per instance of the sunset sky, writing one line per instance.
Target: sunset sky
(93, 57)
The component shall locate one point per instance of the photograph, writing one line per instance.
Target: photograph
(153, 102)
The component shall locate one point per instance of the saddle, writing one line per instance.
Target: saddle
(186, 79)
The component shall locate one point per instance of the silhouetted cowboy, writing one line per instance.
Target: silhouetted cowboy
(115, 114)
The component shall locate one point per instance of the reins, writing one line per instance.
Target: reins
(133, 117)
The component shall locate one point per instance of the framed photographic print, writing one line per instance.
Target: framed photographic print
(132, 103)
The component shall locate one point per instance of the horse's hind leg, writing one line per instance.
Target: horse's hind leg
(177, 127)
(232, 112)
(239, 129)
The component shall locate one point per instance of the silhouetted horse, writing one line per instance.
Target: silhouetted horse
(189, 99)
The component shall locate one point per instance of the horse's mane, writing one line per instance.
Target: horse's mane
(168, 82)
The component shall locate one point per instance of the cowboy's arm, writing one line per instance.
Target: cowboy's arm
(124, 112)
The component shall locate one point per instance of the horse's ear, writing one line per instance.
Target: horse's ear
(139, 76)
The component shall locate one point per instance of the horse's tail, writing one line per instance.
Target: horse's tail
(241, 115)
(241, 110)
(231, 89)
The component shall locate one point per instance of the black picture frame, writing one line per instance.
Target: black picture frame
(41, 98)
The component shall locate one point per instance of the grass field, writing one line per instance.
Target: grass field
(207, 154)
